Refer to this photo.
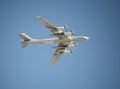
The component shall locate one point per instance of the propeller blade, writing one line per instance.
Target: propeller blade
(71, 51)
(72, 32)
(75, 45)
(65, 27)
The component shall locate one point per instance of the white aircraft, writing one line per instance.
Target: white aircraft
(65, 40)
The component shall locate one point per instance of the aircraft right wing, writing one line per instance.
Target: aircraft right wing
(55, 57)
(59, 51)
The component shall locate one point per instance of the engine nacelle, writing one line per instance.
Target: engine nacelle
(62, 28)
(56, 47)
(69, 33)
(68, 52)
(72, 46)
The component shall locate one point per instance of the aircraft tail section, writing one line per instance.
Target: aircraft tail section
(24, 44)
(25, 39)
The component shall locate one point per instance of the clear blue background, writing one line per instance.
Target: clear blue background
(95, 64)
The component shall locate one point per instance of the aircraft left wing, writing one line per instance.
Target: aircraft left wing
(47, 24)
(55, 30)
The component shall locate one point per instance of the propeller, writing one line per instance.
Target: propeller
(71, 51)
(75, 45)
(65, 27)
(72, 32)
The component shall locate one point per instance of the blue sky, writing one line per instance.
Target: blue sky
(95, 64)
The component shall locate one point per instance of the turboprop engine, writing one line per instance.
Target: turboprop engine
(63, 51)
(71, 33)
(62, 28)
(74, 45)
(68, 51)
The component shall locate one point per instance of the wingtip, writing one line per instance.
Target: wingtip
(50, 64)
(38, 16)
(21, 34)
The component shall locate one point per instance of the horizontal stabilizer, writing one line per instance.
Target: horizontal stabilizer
(25, 39)
(24, 44)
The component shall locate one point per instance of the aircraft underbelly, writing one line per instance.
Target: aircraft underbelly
(48, 41)
(43, 41)
(65, 40)
(77, 38)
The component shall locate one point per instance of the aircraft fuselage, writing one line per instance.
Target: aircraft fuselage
(57, 40)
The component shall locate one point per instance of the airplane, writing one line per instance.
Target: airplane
(65, 40)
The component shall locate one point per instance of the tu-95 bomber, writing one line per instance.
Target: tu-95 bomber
(66, 40)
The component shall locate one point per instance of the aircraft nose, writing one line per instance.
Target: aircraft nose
(87, 38)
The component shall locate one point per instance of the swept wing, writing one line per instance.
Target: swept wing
(59, 51)
(47, 24)
(55, 30)
(56, 55)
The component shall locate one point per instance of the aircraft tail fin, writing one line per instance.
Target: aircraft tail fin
(25, 39)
